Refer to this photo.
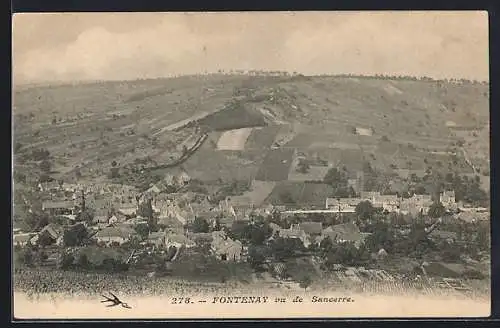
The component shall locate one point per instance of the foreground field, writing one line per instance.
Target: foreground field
(82, 283)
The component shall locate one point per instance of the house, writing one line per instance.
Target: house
(311, 228)
(225, 221)
(381, 254)
(341, 233)
(171, 210)
(134, 221)
(447, 198)
(183, 178)
(201, 238)
(416, 204)
(71, 187)
(390, 203)
(113, 219)
(53, 232)
(157, 238)
(129, 209)
(114, 234)
(59, 207)
(343, 205)
(226, 209)
(178, 240)
(51, 186)
(364, 131)
(22, 239)
(369, 195)
(101, 216)
(225, 248)
(274, 227)
(155, 189)
(354, 184)
(296, 232)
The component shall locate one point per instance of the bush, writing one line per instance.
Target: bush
(200, 225)
(436, 210)
(83, 262)
(66, 261)
(305, 282)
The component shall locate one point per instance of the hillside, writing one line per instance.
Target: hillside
(398, 123)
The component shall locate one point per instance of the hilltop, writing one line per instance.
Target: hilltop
(257, 127)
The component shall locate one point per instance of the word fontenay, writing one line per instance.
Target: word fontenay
(240, 299)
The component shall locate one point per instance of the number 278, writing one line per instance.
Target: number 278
(181, 300)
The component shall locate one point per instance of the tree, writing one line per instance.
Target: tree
(483, 238)
(146, 209)
(36, 221)
(114, 173)
(303, 167)
(364, 210)
(381, 237)
(436, 210)
(200, 225)
(326, 245)
(86, 215)
(66, 261)
(45, 240)
(45, 166)
(113, 163)
(142, 230)
(217, 226)
(256, 256)
(78, 173)
(305, 282)
(27, 257)
(282, 249)
(83, 261)
(333, 177)
(75, 236)
(160, 266)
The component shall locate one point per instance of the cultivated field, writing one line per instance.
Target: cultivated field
(262, 138)
(258, 192)
(276, 165)
(234, 139)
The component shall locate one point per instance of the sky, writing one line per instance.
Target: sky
(66, 47)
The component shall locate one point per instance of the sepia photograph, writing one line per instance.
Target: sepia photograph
(233, 165)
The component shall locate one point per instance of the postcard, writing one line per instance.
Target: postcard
(242, 165)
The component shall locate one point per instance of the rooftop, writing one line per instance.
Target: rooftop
(58, 204)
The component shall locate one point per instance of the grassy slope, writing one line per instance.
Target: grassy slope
(322, 112)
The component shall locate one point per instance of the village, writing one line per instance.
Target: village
(168, 229)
